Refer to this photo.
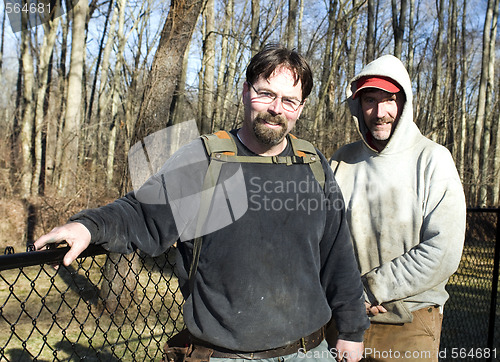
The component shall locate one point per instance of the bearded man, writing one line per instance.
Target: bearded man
(268, 281)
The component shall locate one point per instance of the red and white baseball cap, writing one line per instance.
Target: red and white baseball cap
(384, 83)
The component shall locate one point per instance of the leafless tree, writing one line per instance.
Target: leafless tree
(207, 89)
(480, 149)
(72, 117)
(167, 66)
(398, 25)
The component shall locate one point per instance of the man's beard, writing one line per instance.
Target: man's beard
(384, 136)
(266, 135)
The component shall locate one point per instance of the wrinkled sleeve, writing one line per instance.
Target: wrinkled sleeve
(156, 215)
(340, 275)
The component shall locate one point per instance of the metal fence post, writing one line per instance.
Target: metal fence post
(494, 287)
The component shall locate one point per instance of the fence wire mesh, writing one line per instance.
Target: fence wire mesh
(471, 322)
(124, 307)
(120, 310)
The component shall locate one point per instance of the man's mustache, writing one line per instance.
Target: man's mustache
(269, 118)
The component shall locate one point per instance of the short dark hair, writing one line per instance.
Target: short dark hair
(273, 56)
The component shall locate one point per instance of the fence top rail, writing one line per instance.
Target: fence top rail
(49, 256)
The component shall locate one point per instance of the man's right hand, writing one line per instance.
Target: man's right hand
(372, 310)
(74, 234)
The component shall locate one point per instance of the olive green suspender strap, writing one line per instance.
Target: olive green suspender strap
(221, 148)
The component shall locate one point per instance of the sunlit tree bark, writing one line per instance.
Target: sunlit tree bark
(486, 166)
(102, 67)
(435, 113)
(56, 124)
(398, 25)
(167, 66)
(299, 26)
(222, 68)
(72, 118)
(2, 40)
(208, 66)
(47, 49)
(482, 105)
(291, 24)
(460, 158)
(370, 32)
(26, 136)
(254, 27)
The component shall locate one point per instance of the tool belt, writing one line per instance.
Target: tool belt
(200, 351)
(306, 343)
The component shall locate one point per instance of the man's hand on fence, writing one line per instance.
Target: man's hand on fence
(74, 234)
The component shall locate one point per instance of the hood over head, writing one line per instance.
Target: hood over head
(390, 74)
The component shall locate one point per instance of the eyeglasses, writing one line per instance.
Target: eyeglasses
(268, 97)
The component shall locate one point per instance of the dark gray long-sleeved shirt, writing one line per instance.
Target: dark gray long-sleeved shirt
(276, 259)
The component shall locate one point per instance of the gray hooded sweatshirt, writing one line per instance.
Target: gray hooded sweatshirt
(405, 208)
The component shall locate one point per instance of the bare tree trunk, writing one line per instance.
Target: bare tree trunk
(167, 66)
(17, 120)
(110, 157)
(232, 67)
(327, 65)
(119, 292)
(132, 103)
(103, 99)
(343, 20)
(435, 114)
(27, 117)
(411, 39)
(398, 25)
(450, 95)
(102, 66)
(299, 27)
(72, 119)
(254, 27)
(107, 22)
(49, 41)
(495, 201)
(118, 287)
(351, 69)
(291, 24)
(208, 64)
(153, 116)
(221, 79)
(178, 108)
(496, 157)
(370, 32)
(56, 125)
(463, 99)
(115, 91)
(482, 103)
(2, 39)
(486, 167)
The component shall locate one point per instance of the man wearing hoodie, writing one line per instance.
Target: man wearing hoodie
(405, 208)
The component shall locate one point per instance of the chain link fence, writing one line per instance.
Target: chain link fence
(124, 307)
(471, 323)
(76, 313)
